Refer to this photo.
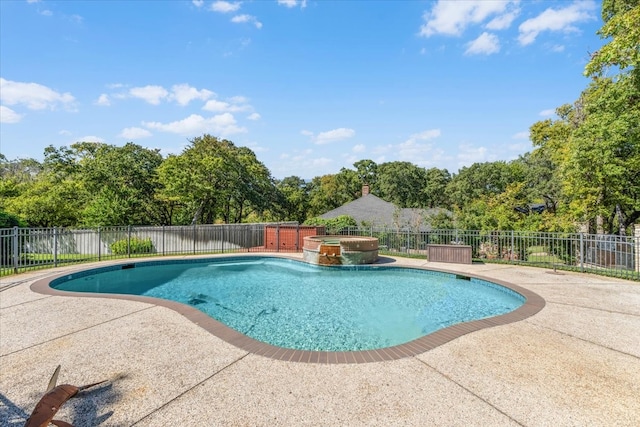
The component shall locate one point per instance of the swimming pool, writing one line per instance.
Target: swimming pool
(294, 305)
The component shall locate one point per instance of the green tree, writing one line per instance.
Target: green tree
(121, 183)
(435, 191)
(213, 180)
(602, 170)
(482, 179)
(41, 194)
(295, 204)
(333, 225)
(328, 192)
(402, 183)
(621, 28)
(367, 171)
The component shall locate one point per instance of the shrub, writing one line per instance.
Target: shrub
(136, 246)
(333, 225)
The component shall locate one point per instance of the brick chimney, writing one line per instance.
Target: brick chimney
(365, 190)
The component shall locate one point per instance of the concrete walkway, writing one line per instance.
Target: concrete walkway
(575, 363)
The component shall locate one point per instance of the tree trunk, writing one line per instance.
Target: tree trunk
(621, 222)
(197, 214)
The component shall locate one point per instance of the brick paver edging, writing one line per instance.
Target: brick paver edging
(532, 305)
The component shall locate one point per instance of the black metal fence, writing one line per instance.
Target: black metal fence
(23, 249)
(609, 255)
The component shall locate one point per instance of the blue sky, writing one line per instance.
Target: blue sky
(309, 86)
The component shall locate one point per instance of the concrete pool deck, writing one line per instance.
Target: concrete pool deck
(576, 362)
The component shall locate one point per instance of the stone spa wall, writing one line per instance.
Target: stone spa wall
(339, 250)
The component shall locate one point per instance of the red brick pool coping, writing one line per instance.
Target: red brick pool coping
(532, 305)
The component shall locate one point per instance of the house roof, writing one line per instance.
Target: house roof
(372, 210)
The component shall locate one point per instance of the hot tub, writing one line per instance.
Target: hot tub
(335, 250)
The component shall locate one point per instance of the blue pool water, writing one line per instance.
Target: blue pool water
(296, 305)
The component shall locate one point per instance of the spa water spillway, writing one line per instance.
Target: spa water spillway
(337, 250)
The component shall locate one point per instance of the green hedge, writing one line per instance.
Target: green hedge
(136, 246)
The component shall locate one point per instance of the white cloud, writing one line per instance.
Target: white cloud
(254, 116)
(33, 95)
(502, 22)
(241, 19)
(293, 3)
(417, 149)
(306, 132)
(89, 138)
(453, 17)
(425, 135)
(103, 100)
(359, 148)
(46, 12)
(303, 163)
(65, 132)
(134, 133)
(468, 155)
(197, 3)
(239, 99)
(556, 20)
(334, 135)
(486, 44)
(184, 94)
(225, 6)
(151, 94)
(557, 48)
(255, 147)
(222, 124)
(520, 147)
(414, 149)
(521, 135)
(216, 106)
(7, 115)
(547, 113)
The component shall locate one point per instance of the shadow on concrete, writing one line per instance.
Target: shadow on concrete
(385, 260)
(10, 413)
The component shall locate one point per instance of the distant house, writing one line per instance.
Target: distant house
(371, 210)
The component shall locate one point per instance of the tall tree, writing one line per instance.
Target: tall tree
(434, 193)
(296, 198)
(122, 182)
(213, 180)
(622, 30)
(328, 192)
(482, 179)
(402, 183)
(367, 171)
(602, 171)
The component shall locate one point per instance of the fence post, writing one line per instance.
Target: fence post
(297, 237)
(128, 241)
(513, 248)
(163, 251)
(194, 239)
(55, 246)
(99, 244)
(636, 236)
(278, 237)
(582, 252)
(16, 255)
